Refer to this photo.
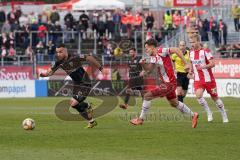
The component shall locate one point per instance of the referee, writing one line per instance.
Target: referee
(182, 79)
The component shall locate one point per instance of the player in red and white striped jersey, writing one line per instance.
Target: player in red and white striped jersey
(159, 59)
(201, 70)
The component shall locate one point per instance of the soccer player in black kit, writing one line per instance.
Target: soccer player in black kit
(135, 80)
(72, 65)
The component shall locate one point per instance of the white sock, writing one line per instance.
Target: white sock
(220, 107)
(91, 120)
(204, 103)
(184, 108)
(145, 106)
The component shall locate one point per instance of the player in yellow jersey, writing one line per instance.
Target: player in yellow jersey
(182, 79)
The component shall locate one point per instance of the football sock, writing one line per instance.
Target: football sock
(127, 98)
(204, 103)
(145, 106)
(220, 106)
(184, 109)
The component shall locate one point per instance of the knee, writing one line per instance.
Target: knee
(73, 102)
(147, 97)
(174, 103)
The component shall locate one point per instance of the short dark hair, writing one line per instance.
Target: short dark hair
(61, 45)
(151, 42)
(134, 49)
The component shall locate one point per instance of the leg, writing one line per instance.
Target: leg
(85, 110)
(203, 103)
(126, 99)
(180, 93)
(182, 107)
(145, 106)
(212, 90)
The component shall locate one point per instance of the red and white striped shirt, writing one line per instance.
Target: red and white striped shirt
(201, 58)
(164, 64)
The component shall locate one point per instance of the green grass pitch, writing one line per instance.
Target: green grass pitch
(169, 137)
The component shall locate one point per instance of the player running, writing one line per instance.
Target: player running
(182, 79)
(135, 80)
(201, 63)
(160, 59)
(72, 65)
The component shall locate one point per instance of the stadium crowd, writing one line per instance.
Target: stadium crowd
(39, 33)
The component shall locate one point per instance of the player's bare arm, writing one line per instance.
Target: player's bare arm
(147, 69)
(180, 55)
(94, 62)
(190, 74)
(211, 64)
(49, 72)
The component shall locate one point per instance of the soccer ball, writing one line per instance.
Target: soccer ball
(28, 124)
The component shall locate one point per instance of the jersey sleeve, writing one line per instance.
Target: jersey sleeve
(208, 55)
(174, 57)
(55, 65)
(164, 52)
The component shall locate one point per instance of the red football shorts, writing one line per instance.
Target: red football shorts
(210, 87)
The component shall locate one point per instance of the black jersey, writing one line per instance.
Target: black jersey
(135, 69)
(73, 67)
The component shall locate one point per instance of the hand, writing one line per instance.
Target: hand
(43, 75)
(198, 67)
(187, 67)
(142, 74)
(190, 75)
(142, 61)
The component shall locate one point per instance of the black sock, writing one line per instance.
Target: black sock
(81, 108)
(127, 98)
(180, 98)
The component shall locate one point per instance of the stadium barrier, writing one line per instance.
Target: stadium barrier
(52, 88)
(225, 88)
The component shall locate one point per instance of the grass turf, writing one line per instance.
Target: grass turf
(165, 136)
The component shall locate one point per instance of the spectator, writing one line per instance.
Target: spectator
(51, 29)
(176, 19)
(5, 45)
(117, 21)
(54, 17)
(202, 31)
(150, 20)
(68, 20)
(168, 20)
(34, 30)
(11, 17)
(95, 17)
(40, 51)
(138, 22)
(23, 20)
(236, 16)
(44, 18)
(84, 19)
(50, 50)
(57, 32)
(81, 29)
(110, 27)
(223, 32)
(101, 28)
(6, 28)
(215, 31)
(42, 33)
(130, 21)
(29, 53)
(32, 18)
(2, 17)
(18, 13)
